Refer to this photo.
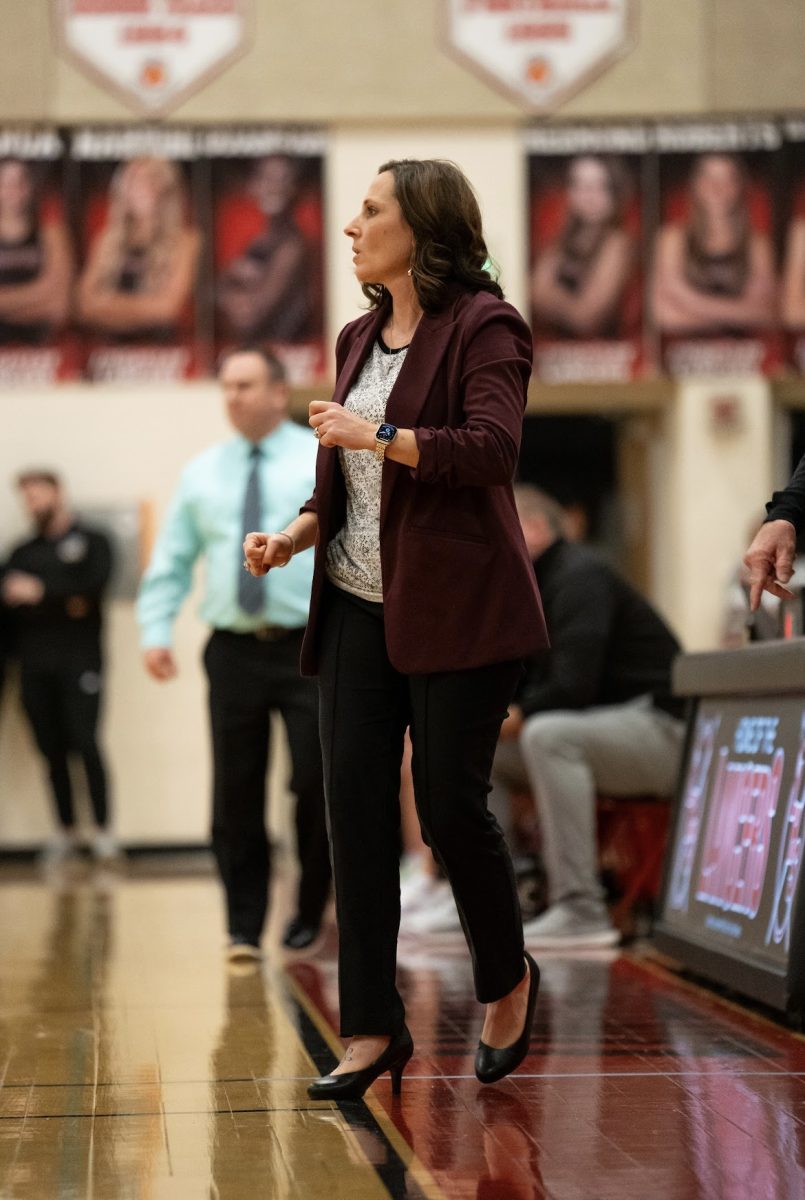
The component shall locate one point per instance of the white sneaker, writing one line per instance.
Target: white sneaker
(434, 897)
(417, 889)
(62, 845)
(240, 950)
(104, 847)
(561, 927)
(440, 916)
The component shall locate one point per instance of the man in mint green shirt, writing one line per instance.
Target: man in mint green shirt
(257, 480)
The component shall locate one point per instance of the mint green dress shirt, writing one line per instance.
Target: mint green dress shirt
(204, 521)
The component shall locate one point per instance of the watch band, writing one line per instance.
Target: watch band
(384, 436)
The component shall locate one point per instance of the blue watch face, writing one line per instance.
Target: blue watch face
(386, 433)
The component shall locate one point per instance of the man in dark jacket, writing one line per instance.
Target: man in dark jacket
(53, 588)
(594, 713)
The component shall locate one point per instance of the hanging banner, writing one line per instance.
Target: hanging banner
(137, 293)
(153, 53)
(585, 283)
(268, 242)
(792, 282)
(538, 52)
(713, 286)
(36, 261)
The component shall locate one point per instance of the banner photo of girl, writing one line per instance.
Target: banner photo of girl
(585, 283)
(713, 281)
(268, 247)
(137, 290)
(792, 284)
(36, 261)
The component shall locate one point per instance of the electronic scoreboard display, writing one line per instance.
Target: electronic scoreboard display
(731, 905)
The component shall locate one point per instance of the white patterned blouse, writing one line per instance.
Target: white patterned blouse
(353, 556)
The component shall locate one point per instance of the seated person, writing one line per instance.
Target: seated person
(593, 713)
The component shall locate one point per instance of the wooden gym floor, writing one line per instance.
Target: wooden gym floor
(134, 1065)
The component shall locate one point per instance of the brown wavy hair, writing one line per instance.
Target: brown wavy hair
(441, 209)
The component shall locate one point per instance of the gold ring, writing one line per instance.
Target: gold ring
(316, 433)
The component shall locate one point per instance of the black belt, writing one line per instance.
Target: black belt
(265, 633)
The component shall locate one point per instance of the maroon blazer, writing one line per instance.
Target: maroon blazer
(458, 585)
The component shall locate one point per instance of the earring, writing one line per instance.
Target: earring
(409, 270)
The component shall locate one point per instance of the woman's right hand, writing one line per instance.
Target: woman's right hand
(266, 550)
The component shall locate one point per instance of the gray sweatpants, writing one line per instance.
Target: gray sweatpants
(564, 758)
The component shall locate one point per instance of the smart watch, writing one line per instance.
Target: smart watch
(384, 436)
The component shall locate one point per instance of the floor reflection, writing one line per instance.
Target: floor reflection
(241, 1067)
(644, 1086)
(134, 1064)
(510, 1149)
(745, 1132)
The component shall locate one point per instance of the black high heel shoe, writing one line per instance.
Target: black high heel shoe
(492, 1064)
(352, 1084)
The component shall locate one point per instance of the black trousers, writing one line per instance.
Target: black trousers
(62, 703)
(455, 719)
(248, 680)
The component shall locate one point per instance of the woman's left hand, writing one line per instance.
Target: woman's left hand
(336, 426)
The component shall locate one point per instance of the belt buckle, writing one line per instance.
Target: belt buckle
(270, 633)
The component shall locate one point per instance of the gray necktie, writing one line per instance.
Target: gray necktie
(251, 590)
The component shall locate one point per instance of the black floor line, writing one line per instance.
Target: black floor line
(388, 1164)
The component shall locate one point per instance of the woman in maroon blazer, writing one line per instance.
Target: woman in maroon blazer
(423, 606)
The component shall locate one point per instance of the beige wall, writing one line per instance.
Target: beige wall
(757, 55)
(363, 60)
(710, 485)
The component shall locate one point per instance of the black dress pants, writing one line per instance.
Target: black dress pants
(62, 702)
(455, 719)
(249, 679)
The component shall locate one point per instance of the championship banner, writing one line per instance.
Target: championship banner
(137, 294)
(736, 853)
(538, 52)
(153, 53)
(585, 283)
(792, 273)
(268, 245)
(37, 261)
(713, 281)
